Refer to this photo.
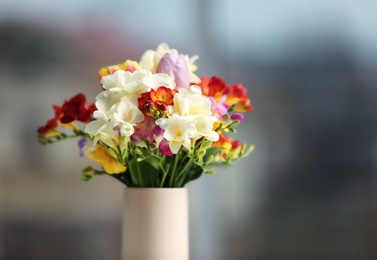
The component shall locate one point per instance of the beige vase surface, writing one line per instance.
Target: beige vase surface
(155, 224)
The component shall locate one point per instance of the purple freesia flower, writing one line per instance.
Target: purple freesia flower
(82, 143)
(158, 131)
(135, 139)
(175, 67)
(237, 116)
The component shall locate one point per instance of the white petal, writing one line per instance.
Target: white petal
(107, 139)
(128, 112)
(195, 90)
(174, 147)
(213, 136)
(107, 101)
(127, 130)
(93, 127)
(187, 143)
(162, 122)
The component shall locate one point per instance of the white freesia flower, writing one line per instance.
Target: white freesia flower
(178, 131)
(127, 129)
(187, 103)
(150, 60)
(154, 81)
(128, 114)
(102, 128)
(116, 81)
(147, 60)
(107, 101)
(204, 127)
(127, 83)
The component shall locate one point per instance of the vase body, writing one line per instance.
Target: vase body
(155, 224)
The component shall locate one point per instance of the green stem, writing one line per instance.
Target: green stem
(182, 171)
(173, 170)
(62, 136)
(164, 174)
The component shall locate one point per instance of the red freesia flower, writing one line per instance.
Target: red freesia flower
(77, 109)
(145, 103)
(74, 109)
(214, 87)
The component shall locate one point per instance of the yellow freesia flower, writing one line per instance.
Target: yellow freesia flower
(109, 164)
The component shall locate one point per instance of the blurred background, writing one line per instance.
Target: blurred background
(308, 191)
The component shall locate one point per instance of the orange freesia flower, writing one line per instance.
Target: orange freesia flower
(238, 98)
(109, 164)
(163, 96)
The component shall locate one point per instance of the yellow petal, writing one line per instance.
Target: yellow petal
(109, 164)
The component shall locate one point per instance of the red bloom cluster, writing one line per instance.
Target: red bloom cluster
(234, 96)
(77, 109)
(74, 109)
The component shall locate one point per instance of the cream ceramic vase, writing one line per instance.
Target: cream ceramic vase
(155, 224)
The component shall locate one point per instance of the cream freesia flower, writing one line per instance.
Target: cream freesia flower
(102, 128)
(125, 82)
(204, 127)
(128, 115)
(178, 131)
(187, 103)
(154, 81)
(107, 101)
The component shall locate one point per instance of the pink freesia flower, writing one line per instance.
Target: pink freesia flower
(218, 109)
(164, 148)
(175, 67)
(144, 129)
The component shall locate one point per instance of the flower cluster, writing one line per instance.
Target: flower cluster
(155, 123)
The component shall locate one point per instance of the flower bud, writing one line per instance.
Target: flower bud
(175, 67)
(237, 116)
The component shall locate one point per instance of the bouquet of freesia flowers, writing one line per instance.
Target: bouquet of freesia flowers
(155, 123)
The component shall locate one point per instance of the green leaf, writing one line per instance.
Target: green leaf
(195, 174)
(205, 145)
(143, 174)
(208, 160)
(210, 153)
(153, 161)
